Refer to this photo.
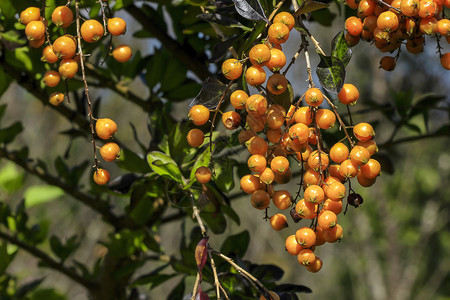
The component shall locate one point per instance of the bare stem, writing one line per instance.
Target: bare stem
(194, 291)
(341, 123)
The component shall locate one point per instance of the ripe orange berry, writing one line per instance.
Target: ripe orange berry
(315, 266)
(238, 99)
(314, 194)
(250, 184)
(366, 8)
(279, 164)
(348, 169)
(260, 199)
(339, 152)
(364, 181)
(275, 116)
(278, 33)
(325, 118)
(232, 69)
(105, 128)
(335, 191)
(334, 234)
(363, 131)
(312, 177)
(37, 43)
(122, 53)
(259, 55)
(198, 114)
(348, 95)
(428, 26)
(300, 132)
(285, 18)
(278, 222)
(443, 27)
(257, 145)
(334, 206)
(68, 68)
(315, 163)
(306, 257)
(359, 155)
(333, 171)
(327, 220)
(256, 104)
(351, 39)
(257, 163)
(255, 76)
(409, 8)
(48, 55)
(354, 26)
(313, 97)
(91, 31)
(203, 174)
(370, 145)
(101, 176)
(231, 120)
(274, 135)
(65, 47)
(267, 176)
(62, 16)
(30, 14)
(35, 30)
(51, 78)
(117, 26)
(388, 21)
(292, 247)
(303, 115)
(282, 199)
(445, 60)
(352, 4)
(56, 98)
(387, 63)
(371, 169)
(277, 60)
(110, 151)
(283, 178)
(195, 137)
(277, 84)
(306, 237)
(256, 122)
(427, 8)
(306, 210)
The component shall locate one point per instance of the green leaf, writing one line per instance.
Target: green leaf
(184, 91)
(121, 4)
(47, 294)
(174, 75)
(267, 273)
(236, 244)
(285, 99)
(11, 40)
(7, 135)
(307, 6)
(5, 257)
(7, 10)
(224, 174)
(216, 221)
(331, 74)
(132, 162)
(28, 287)
(340, 48)
(11, 179)
(323, 16)
(39, 194)
(212, 91)
(164, 165)
(142, 212)
(202, 161)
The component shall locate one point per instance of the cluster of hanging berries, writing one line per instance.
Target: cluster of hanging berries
(392, 23)
(279, 140)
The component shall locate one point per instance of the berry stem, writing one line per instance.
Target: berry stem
(86, 87)
(47, 35)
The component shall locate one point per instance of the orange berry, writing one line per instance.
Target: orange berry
(48, 55)
(101, 176)
(283, 178)
(351, 39)
(30, 14)
(300, 132)
(267, 176)
(277, 60)
(56, 98)
(327, 220)
(122, 53)
(231, 120)
(370, 145)
(282, 199)
(313, 97)
(279, 164)
(306, 257)
(274, 135)
(366, 8)
(445, 60)
(278, 33)
(428, 26)
(387, 63)
(245, 135)
(257, 163)
(334, 206)
(285, 18)
(37, 43)
(256, 122)
(333, 170)
(110, 151)
(364, 181)
(314, 194)
(68, 68)
(232, 69)
(64, 47)
(238, 99)
(443, 27)
(105, 128)
(371, 169)
(306, 237)
(319, 238)
(335, 191)
(348, 169)
(292, 247)
(51, 78)
(348, 95)
(359, 155)
(275, 116)
(315, 266)
(278, 222)
(277, 84)
(62, 16)
(117, 26)
(334, 234)
(339, 152)
(250, 184)
(257, 145)
(260, 199)
(427, 8)
(312, 177)
(363, 131)
(198, 114)
(354, 26)
(35, 30)
(91, 31)
(303, 115)
(259, 55)
(306, 210)
(256, 104)
(388, 21)
(325, 118)
(255, 76)
(316, 163)
(195, 137)
(203, 174)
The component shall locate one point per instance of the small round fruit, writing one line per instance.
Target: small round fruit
(303, 115)
(30, 14)
(348, 169)
(327, 220)
(300, 132)
(387, 63)
(250, 184)
(232, 69)
(48, 55)
(257, 145)
(354, 26)
(359, 155)
(306, 257)
(62, 16)
(51, 78)
(370, 145)
(255, 76)
(276, 116)
(256, 104)
(260, 199)
(334, 234)
(56, 98)
(257, 163)
(306, 237)
(68, 68)
(314, 194)
(277, 84)
(334, 206)
(388, 21)
(315, 266)
(259, 55)
(282, 199)
(198, 114)
(364, 181)
(277, 60)
(101, 176)
(35, 30)
(278, 33)
(355, 200)
(291, 245)
(231, 120)
(92, 31)
(195, 137)
(316, 163)
(335, 191)
(278, 222)
(122, 53)
(110, 151)
(203, 174)
(105, 128)
(371, 169)
(325, 118)
(279, 164)
(348, 95)
(238, 99)
(313, 97)
(267, 176)
(117, 26)
(445, 60)
(37, 43)
(64, 47)
(283, 178)
(285, 18)
(306, 210)
(363, 131)
(339, 152)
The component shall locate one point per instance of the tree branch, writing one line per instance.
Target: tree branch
(50, 262)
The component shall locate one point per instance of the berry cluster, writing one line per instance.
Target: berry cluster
(67, 50)
(391, 23)
(279, 140)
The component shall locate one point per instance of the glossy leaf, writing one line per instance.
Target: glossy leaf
(219, 19)
(307, 6)
(292, 288)
(212, 91)
(164, 165)
(340, 48)
(236, 244)
(250, 9)
(331, 74)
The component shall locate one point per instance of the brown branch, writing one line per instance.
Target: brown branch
(184, 53)
(50, 262)
(413, 139)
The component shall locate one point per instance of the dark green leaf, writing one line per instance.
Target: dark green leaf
(164, 166)
(323, 16)
(224, 174)
(231, 213)
(39, 194)
(236, 244)
(132, 162)
(26, 288)
(178, 292)
(340, 48)
(215, 220)
(219, 19)
(267, 273)
(212, 91)
(142, 212)
(250, 9)
(7, 135)
(174, 75)
(307, 6)
(5, 257)
(426, 103)
(331, 74)
(184, 91)
(292, 288)
(47, 294)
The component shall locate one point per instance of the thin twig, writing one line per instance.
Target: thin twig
(341, 123)
(194, 291)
